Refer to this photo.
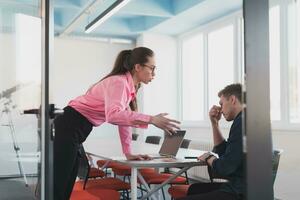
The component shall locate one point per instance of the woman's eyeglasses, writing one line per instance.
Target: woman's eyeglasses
(152, 67)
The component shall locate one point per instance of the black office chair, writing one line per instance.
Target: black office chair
(84, 166)
(153, 139)
(275, 163)
(85, 171)
(135, 136)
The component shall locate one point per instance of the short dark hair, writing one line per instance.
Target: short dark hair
(232, 89)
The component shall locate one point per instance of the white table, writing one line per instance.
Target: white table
(111, 150)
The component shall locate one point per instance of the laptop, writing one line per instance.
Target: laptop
(170, 145)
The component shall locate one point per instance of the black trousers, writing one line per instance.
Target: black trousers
(208, 191)
(71, 129)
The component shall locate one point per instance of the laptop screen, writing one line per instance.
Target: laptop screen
(172, 143)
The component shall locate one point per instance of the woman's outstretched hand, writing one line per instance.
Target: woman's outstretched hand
(137, 157)
(164, 123)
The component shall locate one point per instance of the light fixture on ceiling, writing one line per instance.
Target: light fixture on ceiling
(91, 7)
(115, 7)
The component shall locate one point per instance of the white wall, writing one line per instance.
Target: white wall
(78, 64)
(161, 95)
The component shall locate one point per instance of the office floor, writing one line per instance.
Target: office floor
(15, 189)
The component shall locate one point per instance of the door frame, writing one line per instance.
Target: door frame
(257, 124)
(47, 14)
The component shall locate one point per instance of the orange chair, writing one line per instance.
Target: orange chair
(123, 170)
(159, 178)
(85, 171)
(96, 173)
(178, 191)
(103, 183)
(95, 194)
(101, 163)
(149, 174)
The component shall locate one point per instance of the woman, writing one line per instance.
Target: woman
(112, 100)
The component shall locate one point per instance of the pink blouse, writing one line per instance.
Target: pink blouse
(108, 101)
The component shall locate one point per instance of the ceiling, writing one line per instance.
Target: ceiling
(170, 17)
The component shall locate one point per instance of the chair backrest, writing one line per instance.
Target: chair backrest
(153, 139)
(135, 136)
(275, 162)
(185, 143)
(84, 166)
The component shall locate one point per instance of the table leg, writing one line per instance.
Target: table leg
(165, 182)
(133, 183)
(142, 180)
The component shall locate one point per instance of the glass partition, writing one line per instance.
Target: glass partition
(20, 91)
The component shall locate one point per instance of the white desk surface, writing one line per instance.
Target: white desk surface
(111, 150)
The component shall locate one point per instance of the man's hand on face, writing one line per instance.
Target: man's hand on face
(215, 114)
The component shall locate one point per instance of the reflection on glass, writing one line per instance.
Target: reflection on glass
(20, 89)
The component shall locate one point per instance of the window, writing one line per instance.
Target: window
(222, 54)
(207, 66)
(294, 61)
(192, 78)
(220, 62)
(275, 82)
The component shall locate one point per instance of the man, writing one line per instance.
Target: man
(230, 161)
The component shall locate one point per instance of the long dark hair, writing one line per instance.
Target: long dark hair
(125, 62)
(127, 59)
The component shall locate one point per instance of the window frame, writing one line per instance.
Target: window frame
(236, 18)
(285, 122)
(231, 19)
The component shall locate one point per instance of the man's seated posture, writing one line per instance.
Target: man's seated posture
(230, 161)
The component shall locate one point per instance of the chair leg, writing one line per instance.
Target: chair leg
(128, 177)
(142, 193)
(187, 178)
(85, 181)
(150, 189)
(127, 194)
(122, 194)
(163, 193)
